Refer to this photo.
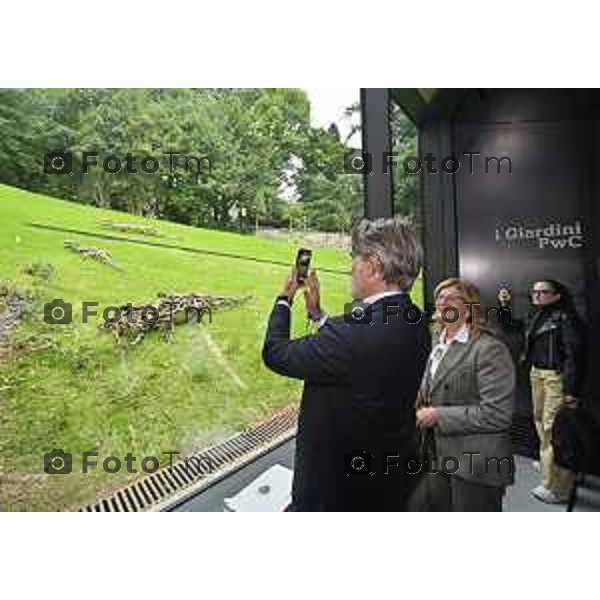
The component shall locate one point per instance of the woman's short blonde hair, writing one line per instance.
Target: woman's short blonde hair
(472, 297)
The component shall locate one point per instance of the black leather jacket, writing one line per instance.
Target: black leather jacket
(555, 339)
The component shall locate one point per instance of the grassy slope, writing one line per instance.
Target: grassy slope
(88, 394)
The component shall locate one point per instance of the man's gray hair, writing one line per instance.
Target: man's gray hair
(394, 241)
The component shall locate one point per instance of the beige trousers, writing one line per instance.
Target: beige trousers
(548, 397)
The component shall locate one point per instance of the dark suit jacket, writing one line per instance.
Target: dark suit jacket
(360, 386)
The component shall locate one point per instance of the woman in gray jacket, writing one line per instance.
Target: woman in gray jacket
(464, 409)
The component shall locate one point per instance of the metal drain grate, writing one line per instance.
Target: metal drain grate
(191, 475)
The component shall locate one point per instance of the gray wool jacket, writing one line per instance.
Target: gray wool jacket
(473, 391)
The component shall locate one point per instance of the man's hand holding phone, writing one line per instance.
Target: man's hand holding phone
(312, 296)
(299, 274)
(309, 282)
(291, 285)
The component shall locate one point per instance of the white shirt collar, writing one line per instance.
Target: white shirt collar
(372, 299)
(461, 336)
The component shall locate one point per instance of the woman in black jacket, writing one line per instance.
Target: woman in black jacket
(555, 353)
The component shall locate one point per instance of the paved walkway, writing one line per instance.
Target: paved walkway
(518, 497)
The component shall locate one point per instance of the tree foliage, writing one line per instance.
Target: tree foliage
(253, 144)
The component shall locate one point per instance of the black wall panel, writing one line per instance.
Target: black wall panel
(507, 229)
(528, 222)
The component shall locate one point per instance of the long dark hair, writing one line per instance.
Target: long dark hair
(566, 301)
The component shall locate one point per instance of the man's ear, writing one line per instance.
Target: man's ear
(377, 267)
(371, 268)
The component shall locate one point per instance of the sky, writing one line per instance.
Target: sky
(327, 106)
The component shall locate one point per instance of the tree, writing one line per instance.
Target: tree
(28, 129)
(405, 145)
(258, 141)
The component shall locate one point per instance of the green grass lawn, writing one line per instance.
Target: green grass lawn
(86, 393)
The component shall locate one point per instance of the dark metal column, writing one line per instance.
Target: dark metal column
(438, 209)
(376, 142)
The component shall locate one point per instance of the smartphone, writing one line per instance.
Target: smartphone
(302, 264)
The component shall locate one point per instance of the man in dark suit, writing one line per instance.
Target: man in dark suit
(361, 373)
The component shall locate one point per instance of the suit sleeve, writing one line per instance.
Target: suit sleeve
(323, 357)
(496, 383)
(422, 399)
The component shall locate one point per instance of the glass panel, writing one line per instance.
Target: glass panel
(138, 272)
